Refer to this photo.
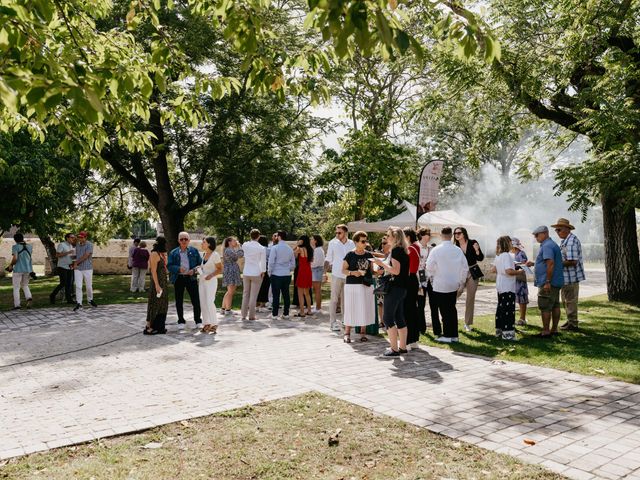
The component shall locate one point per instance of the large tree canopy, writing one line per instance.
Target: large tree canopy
(577, 64)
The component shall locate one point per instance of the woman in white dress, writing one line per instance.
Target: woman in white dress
(208, 284)
(359, 304)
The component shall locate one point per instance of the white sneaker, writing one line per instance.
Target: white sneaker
(445, 339)
(274, 317)
(467, 328)
(267, 305)
(335, 327)
(455, 339)
(285, 317)
(244, 319)
(181, 327)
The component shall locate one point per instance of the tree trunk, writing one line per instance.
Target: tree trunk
(50, 248)
(172, 224)
(622, 260)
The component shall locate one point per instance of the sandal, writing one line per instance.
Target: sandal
(364, 339)
(149, 332)
(346, 339)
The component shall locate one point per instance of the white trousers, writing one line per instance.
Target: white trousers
(20, 279)
(86, 276)
(138, 276)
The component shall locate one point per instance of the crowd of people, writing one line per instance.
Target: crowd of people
(392, 285)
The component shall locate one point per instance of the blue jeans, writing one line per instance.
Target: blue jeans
(280, 284)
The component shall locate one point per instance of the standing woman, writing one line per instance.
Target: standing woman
(393, 317)
(263, 294)
(208, 284)
(21, 266)
(424, 237)
(522, 289)
(139, 266)
(317, 270)
(231, 273)
(472, 252)
(506, 287)
(359, 304)
(158, 305)
(411, 300)
(304, 252)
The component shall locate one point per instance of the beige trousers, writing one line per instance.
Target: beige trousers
(471, 286)
(337, 295)
(569, 294)
(250, 289)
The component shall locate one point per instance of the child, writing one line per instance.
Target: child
(506, 286)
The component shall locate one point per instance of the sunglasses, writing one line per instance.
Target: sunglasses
(558, 229)
(457, 233)
(184, 240)
(364, 241)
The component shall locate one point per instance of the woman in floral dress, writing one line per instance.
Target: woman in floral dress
(231, 273)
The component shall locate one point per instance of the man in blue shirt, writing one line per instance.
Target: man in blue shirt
(182, 263)
(549, 280)
(281, 262)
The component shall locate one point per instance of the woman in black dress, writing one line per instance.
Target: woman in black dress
(472, 252)
(158, 305)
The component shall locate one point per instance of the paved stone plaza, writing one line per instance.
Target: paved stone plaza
(116, 380)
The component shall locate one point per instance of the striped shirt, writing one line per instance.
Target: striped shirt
(572, 250)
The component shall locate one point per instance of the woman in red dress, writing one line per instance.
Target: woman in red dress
(304, 252)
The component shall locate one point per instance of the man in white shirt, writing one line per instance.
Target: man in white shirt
(255, 264)
(338, 249)
(447, 267)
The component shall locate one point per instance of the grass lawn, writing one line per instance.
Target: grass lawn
(606, 345)
(281, 439)
(107, 289)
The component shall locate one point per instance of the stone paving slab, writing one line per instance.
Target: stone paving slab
(583, 427)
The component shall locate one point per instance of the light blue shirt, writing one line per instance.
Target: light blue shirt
(281, 260)
(549, 250)
(23, 255)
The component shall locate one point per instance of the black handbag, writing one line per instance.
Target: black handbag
(384, 285)
(367, 280)
(475, 272)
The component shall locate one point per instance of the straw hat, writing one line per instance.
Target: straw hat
(563, 222)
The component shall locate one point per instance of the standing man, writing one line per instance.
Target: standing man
(573, 271)
(447, 267)
(21, 266)
(182, 263)
(255, 264)
(282, 262)
(337, 250)
(64, 253)
(134, 279)
(549, 280)
(83, 270)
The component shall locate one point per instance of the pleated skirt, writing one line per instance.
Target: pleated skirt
(359, 306)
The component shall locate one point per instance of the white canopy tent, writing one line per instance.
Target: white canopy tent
(434, 220)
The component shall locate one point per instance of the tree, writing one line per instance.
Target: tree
(576, 64)
(372, 175)
(39, 186)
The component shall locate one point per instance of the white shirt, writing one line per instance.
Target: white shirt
(448, 268)
(318, 258)
(255, 259)
(336, 253)
(505, 283)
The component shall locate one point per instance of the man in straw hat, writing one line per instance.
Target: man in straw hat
(573, 271)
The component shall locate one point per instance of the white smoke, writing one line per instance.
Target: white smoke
(515, 208)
